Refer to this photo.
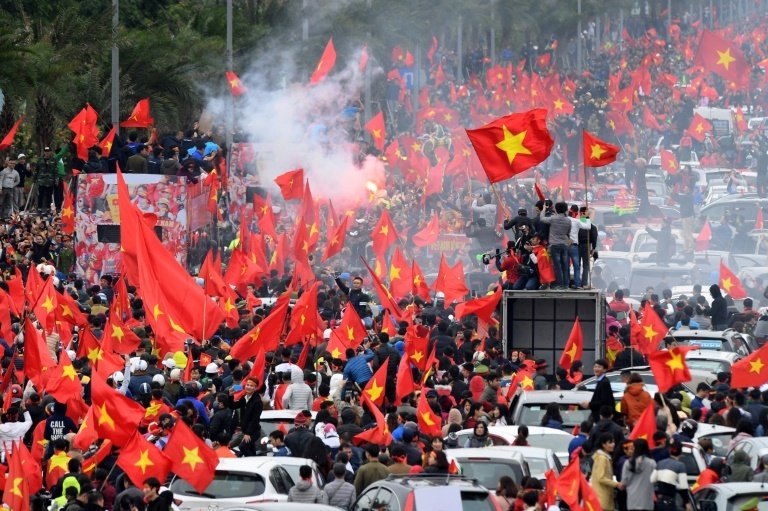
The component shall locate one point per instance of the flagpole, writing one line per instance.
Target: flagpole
(500, 199)
(589, 231)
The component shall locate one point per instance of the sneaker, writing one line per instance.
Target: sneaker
(544, 287)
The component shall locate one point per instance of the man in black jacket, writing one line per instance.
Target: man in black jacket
(356, 296)
(603, 394)
(250, 407)
(587, 246)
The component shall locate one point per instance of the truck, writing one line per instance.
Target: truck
(541, 321)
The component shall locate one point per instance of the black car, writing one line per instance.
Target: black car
(425, 492)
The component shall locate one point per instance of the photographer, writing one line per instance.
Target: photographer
(510, 265)
(517, 223)
(481, 235)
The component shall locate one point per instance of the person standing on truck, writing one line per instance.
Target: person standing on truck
(665, 243)
(559, 240)
(684, 199)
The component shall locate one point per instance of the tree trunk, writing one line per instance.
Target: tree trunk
(43, 128)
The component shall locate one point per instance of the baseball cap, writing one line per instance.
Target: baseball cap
(212, 368)
(169, 363)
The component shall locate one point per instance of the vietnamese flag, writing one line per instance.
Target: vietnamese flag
(741, 122)
(699, 128)
(140, 117)
(63, 382)
(512, 144)
(32, 469)
(588, 494)
(704, 236)
(721, 56)
(751, 371)
(236, 87)
(482, 307)
(375, 386)
(385, 295)
(304, 323)
(450, 280)
(141, 460)
(669, 367)
(429, 234)
(731, 283)
(538, 191)
(336, 242)
(669, 161)
(375, 126)
(67, 212)
(118, 337)
(645, 426)
(652, 332)
(400, 280)
(265, 335)
(37, 358)
(416, 345)
(429, 423)
(420, 286)
(291, 184)
(106, 142)
(16, 492)
(193, 460)
(383, 234)
(45, 304)
(68, 311)
(619, 122)
(327, 61)
(257, 373)
(378, 435)
(405, 384)
(8, 139)
(650, 120)
(598, 153)
(117, 417)
(567, 484)
(574, 346)
(351, 331)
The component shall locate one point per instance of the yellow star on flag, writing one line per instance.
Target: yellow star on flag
(66, 311)
(727, 284)
(597, 151)
(756, 366)
(66, 212)
(699, 128)
(104, 417)
(650, 333)
(375, 391)
(426, 417)
(417, 356)
(384, 230)
(558, 104)
(69, 372)
(152, 410)
(234, 83)
(527, 382)
(144, 461)
(117, 332)
(724, 58)
(175, 325)
(675, 361)
(512, 144)
(350, 333)
(191, 457)
(156, 311)
(572, 352)
(16, 490)
(94, 355)
(377, 134)
(336, 353)
(48, 304)
(228, 305)
(417, 280)
(255, 334)
(394, 273)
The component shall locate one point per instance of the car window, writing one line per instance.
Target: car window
(278, 481)
(365, 500)
(712, 366)
(558, 443)
(386, 500)
(740, 500)
(572, 414)
(224, 485)
(720, 443)
(476, 501)
(488, 472)
(691, 467)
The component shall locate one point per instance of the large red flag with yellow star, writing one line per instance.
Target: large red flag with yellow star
(37, 358)
(16, 491)
(669, 367)
(574, 346)
(699, 128)
(266, 334)
(117, 336)
(512, 144)
(567, 484)
(383, 234)
(375, 386)
(336, 241)
(291, 184)
(375, 126)
(598, 153)
(731, 283)
(722, 57)
(140, 117)
(106, 142)
(645, 426)
(67, 214)
(141, 460)
(416, 346)
(405, 383)
(63, 382)
(751, 371)
(482, 307)
(379, 434)
(652, 330)
(236, 87)
(327, 61)
(117, 417)
(429, 422)
(400, 280)
(193, 460)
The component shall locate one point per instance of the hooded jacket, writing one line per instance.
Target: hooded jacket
(298, 395)
(740, 468)
(305, 491)
(634, 402)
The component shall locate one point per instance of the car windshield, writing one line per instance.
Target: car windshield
(225, 485)
(707, 344)
(572, 414)
(720, 443)
(712, 366)
(537, 466)
(740, 500)
(558, 443)
(477, 501)
(488, 472)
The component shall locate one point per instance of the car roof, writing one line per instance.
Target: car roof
(415, 481)
(730, 489)
(282, 414)
(712, 429)
(503, 452)
(704, 354)
(551, 396)
(510, 432)
(253, 464)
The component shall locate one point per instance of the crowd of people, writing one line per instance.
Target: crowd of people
(467, 385)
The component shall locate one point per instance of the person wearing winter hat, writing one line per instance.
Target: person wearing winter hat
(299, 438)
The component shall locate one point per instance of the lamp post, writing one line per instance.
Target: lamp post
(115, 90)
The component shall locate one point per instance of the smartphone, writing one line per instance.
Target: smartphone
(237, 388)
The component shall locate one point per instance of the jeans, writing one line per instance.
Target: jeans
(586, 261)
(573, 257)
(559, 255)
(527, 282)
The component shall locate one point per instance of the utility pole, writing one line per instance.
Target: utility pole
(115, 105)
(230, 66)
(578, 37)
(460, 51)
(493, 32)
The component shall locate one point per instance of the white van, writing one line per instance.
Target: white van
(722, 119)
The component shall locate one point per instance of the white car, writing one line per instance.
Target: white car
(720, 436)
(488, 464)
(539, 460)
(731, 496)
(712, 361)
(251, 480)
(538, 436)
